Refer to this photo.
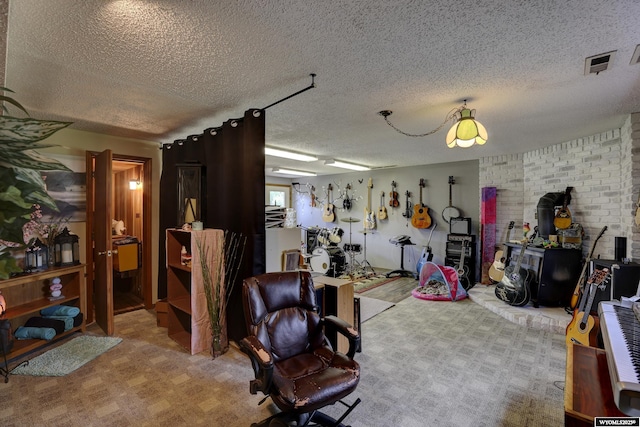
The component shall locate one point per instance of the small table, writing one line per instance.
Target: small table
(338, 301)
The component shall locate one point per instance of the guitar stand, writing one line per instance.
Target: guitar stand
(402, 272)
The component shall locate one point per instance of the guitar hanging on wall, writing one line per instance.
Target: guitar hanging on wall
(382, 210)
(369, 215)
(346, 202)
(407, 211)
(450, 211)
(421, 218)
(393, 196)
(563, 216)
(328, 214)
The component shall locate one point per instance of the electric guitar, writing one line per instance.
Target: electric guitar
(462, 269)
(393, 196)
(496, 271)
(407, 211)
(514, 286)
(313, 197)
(421, 218)
(580, 285)
(582, 323)
(369, 216)
(327, 214)
(382, 210)
(346, 203)
(563, 216)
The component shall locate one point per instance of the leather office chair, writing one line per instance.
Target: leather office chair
(292, 359)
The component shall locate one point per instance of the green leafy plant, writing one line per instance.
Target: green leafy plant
(21, 185)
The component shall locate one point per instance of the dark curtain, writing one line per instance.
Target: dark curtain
(233, 173)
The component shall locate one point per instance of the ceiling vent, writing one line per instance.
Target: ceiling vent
(635, 59)
(598, 63)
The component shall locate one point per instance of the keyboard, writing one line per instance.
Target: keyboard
(621, 336)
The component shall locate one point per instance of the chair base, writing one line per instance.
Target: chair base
(316, 418)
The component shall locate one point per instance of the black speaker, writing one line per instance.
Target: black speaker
(623, 282)
(620, 249)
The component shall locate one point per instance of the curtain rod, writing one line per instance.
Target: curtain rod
(311, 86)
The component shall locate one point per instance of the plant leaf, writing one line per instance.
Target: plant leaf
(16, 129)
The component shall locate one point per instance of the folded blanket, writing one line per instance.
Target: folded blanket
(25, 333)
(60, 310)
(77, 321)
(41, 322)
(68, 321)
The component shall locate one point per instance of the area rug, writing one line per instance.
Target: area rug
(372, 282)
(68, 357)
(370, 307)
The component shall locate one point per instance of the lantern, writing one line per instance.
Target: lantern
(66, 248)
(37, 256)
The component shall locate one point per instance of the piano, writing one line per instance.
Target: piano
(621, 336)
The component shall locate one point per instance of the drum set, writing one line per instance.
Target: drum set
(328, 258)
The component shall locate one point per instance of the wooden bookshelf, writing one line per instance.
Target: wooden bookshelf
(27, 294)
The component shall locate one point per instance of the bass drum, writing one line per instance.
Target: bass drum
(329, 261)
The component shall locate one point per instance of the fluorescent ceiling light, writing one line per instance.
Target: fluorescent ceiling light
(288, 155)
(344, 165)
(292, 172)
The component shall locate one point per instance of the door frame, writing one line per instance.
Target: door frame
(147, 191)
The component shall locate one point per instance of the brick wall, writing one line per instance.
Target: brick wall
(604, 170)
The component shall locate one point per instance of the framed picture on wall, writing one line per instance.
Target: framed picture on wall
(190, 178)
(277, 195)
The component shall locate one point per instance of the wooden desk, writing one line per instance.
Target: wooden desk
(338, 301)
(587, 390)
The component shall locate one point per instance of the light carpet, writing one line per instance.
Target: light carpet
(370, 307)
(68, 357)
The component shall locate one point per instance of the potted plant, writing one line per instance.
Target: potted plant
(21, 185)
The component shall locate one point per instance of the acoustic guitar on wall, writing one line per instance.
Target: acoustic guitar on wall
(393, 196)
(421, 218)
(328, 214)
(382, 210)
(563, 216)
(579, 330)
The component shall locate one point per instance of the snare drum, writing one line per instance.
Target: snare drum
(329, 261)
(355, 247)
(336, 235)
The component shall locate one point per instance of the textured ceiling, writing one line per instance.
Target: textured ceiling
(161, 70)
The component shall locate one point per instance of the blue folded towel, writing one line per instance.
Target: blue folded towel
(68, 321)
(25, 333)
(60, 310)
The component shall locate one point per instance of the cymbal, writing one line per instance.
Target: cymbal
(350, 219)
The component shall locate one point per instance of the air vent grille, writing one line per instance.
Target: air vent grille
(598, 63)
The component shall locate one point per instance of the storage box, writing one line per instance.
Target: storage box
(162, 309)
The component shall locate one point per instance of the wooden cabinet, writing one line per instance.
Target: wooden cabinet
(27, 295)
(187, 317)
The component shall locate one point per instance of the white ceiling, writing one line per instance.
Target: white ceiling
(161, 70)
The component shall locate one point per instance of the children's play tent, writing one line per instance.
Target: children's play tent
(439, 283)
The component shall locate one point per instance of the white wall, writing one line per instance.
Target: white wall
(381, 253)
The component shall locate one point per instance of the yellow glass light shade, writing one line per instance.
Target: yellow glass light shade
(466, 131)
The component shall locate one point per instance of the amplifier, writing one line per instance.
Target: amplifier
(461, 238)
(460, 225)
(624, 282)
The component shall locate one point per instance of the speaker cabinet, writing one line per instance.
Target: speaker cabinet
(623, 283)
(454, 254)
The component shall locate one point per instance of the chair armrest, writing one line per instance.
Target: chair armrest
(262, 364)
(336, 323)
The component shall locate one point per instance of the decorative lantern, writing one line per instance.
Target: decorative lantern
(37, 256)
(66, 248)
(3, 305)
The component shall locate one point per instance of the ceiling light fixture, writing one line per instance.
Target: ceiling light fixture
(344, 165)
(289, 155)
(292, 172)
(466, 132)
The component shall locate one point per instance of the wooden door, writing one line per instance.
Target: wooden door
(103, 277)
